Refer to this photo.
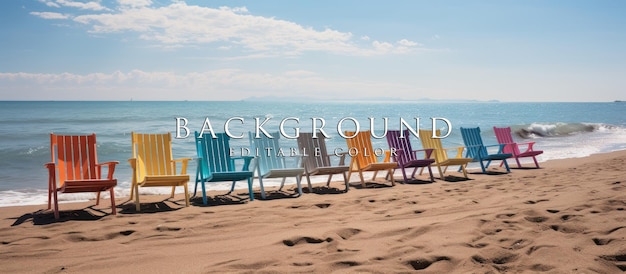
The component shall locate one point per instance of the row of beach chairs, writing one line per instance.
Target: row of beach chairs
(75, 168)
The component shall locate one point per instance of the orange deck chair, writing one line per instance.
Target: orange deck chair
(75, 168)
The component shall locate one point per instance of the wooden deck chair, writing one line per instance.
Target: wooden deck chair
(505, 137)
(269, 164)
(403, 154)
(364, 158)
(215, 164)
(316, 161)
(441, 153)
(153, 165)
(478, 151)
(74, 168)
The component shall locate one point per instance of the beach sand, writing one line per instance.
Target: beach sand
(566, 217)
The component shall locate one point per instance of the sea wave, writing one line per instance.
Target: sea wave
(537, 130)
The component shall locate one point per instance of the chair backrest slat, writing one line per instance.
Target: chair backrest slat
(362, 142)
(267, 150)
(504, 136)
(215, 153)
(315, 149)
(400, 142)
(153, 153)
(474, 143)
(429, 142)
(74, 156)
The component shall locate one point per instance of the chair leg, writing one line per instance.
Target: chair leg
(390, 173)
(112, 194)
(414, 171)
(403, 175)
(56, 205)
(132, 190)
(536, 163)
(250, 193)
(330, 177)
(362, 180)
(430, 171)
(298, 183)
(308, 180)
(482, 166)
(186, 194)
(463, 167)
(441, 173)
(195, 188)
(49, 197)
(375, 173)
(137, 205)
(508, 170)
(345, 180)
(519, 165)
(98, 198)
(262, 188)
(204, 199)
(173, 190)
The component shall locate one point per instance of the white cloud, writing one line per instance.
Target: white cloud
(179, 24)
(50, 3)
(408, 43)
(82, 5)
(50, 15)
(134, 3)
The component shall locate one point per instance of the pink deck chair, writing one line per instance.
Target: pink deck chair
(504, 137)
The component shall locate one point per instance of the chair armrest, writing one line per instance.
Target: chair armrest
(52, 177)
(133, 163)
(427, 152)
(500, 147)
(246, 161)
(184, 161)
(111, 169)
(342, 160)
(388, 155)
(529, 146)
(459, 152)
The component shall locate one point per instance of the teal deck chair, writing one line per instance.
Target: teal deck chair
(269, 164)
(478, 151)
(215, 164)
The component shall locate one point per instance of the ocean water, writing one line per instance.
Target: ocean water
(561, 130)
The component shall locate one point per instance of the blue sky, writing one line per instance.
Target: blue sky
(232, 50)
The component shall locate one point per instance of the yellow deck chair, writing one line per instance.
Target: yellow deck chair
(365, 158)
(441, 154)
(153, 165)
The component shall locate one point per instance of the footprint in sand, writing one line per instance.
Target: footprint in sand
(536, 219)
(531, 202)
(599, 241)
(323, 205)
(167, 228)
(310, 240)
(619, 260)
(422, 263)
(348, 233)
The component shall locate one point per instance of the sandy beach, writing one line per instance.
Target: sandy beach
(566, 217)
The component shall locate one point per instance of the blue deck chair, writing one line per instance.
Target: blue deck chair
(406, 157)
(215, 164)
(271, 165)
(478, 151)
